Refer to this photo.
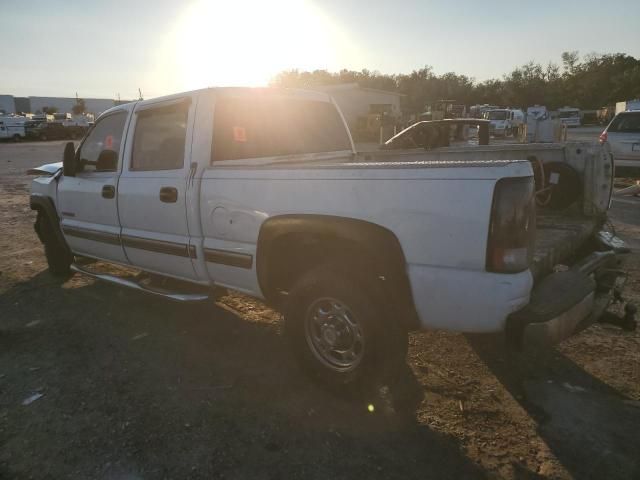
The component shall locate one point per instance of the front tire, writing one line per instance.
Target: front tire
(336, 327)
(58, 256)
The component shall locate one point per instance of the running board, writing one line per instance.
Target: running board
(177, 297)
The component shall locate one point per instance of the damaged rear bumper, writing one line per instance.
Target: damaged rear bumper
(565, 302)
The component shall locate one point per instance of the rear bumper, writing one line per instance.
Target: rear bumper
(565, 303)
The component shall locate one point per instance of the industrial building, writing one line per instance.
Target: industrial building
(11, 104)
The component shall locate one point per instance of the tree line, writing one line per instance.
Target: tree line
(588, 82)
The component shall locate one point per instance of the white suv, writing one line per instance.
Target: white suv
(623, 137)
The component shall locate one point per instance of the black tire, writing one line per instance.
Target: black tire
(16, 138)
(383, 344)
(58, 256)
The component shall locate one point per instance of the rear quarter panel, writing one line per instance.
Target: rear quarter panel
(439, 215)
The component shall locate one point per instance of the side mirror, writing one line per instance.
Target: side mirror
(69, 160)
(107, 161)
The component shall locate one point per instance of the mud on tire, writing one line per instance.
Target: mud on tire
(338, 330)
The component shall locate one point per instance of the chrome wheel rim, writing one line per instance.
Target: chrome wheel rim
(334, 334)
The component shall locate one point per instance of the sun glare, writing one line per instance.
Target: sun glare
(220, 43)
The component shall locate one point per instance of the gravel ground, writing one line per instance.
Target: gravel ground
(123, 386)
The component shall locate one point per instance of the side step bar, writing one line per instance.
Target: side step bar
(178, 297)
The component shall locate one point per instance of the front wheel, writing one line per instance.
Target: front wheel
(337, 329)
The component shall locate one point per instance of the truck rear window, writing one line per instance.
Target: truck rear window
(626, 123)
(268, 127)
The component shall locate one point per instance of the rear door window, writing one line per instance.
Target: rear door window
(626, 123)
(253, 128)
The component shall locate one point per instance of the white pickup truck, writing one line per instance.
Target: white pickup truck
(262, 191)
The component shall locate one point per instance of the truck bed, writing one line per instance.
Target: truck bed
(559, 236)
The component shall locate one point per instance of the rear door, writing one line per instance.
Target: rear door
(87, 204)
(152, 194)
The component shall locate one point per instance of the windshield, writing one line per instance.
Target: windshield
(569, 114)
(497, 115)
(626, 123)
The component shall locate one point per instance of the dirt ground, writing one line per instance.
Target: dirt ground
(133, 387)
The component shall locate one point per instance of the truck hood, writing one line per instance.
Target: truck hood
(46, 169)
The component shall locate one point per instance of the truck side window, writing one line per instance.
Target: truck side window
(267, 127)
(102, 142)
(159, 139)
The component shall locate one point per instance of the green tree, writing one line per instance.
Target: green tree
(80, 107)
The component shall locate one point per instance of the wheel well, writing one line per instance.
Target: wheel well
(291, 245)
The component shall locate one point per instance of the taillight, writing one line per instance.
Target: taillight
(512, 226)
(603, 137)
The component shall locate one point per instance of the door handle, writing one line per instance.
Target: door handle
(108, 191)
(169, 194)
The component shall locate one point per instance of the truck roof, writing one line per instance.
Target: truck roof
(237, 92)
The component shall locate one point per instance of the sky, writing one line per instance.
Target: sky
(111, 48)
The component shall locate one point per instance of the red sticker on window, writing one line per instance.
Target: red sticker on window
(108, 142)
(239, 134)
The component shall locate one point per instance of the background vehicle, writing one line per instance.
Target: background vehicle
(504, 121)
(622, 136)
(12, 127)
(627, 106)
(54, 131)
(570, 116)
(261, 191)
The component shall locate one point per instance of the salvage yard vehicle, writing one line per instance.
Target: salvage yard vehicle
(504, 121)
(570, 116)
(622, 136)
(53, 131)
(12, 127)
(262, 191)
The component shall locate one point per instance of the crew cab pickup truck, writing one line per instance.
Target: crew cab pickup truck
(262, 191)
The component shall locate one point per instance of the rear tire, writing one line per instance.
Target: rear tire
(336, 326)
(58, 256)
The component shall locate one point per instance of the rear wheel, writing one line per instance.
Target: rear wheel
(16, 138)
(58, 256)
(337, 329)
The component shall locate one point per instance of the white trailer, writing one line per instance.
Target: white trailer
(627, 106)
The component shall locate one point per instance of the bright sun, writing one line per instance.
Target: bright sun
(218, 43)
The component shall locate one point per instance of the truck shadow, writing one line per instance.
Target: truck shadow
(138, 387)
(588, 425)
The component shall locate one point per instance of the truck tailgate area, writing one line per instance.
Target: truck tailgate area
(559, 237)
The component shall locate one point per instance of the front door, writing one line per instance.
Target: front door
(87, 204)
(152, 193)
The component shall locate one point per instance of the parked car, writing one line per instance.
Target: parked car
(622, 136)
(261, 191)
(54, 131)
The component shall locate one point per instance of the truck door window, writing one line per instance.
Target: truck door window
(253, 128)
(102, 142)
(159, 139)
